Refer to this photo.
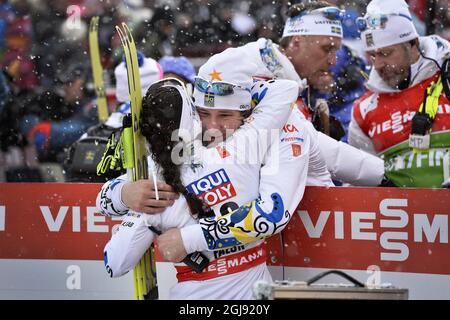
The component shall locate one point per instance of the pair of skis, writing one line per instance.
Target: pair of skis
(135, 150)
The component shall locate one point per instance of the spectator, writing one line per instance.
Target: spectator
(6, 16)
(17, 60)
(79, 166)
(17, 158)
(180, 68)
(157, 37)
(55, 119)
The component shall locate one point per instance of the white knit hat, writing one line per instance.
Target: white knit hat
(398, 28)
(226, 67)
(314, 23)
(149, 70)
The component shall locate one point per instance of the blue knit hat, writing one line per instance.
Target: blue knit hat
(179, 65)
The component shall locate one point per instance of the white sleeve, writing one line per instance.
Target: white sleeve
(318, 173)
(109, 199)
(285, 169)
(127, 246)
(358, 139)
(349, 164)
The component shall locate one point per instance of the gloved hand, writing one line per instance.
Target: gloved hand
(40, 136)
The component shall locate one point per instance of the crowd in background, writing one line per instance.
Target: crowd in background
(47, 99)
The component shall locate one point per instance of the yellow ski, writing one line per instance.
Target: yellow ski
(145, 282)
(97, 70)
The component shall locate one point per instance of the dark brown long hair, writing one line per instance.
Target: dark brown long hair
(160, 116)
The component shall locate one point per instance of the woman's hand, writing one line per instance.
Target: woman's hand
(140, 196)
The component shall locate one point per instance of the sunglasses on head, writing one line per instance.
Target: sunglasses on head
(220, 88)
(376, 21)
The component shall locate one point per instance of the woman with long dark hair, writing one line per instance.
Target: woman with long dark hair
(161, 116)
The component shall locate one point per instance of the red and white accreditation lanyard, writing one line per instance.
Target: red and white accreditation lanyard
(225, 265)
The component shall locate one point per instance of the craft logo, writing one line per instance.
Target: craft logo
(403, 35)
(213, 188)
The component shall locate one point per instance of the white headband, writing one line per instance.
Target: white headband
(240, 100)
(190, 125)
(312, 25)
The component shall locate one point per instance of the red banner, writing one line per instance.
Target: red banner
(404, 230)
(51, 221)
